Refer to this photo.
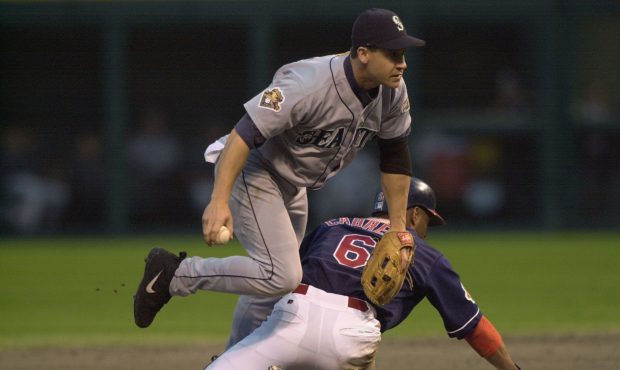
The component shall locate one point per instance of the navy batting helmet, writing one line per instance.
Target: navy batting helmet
(420, 195)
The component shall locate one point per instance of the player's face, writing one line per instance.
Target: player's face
(387, 66)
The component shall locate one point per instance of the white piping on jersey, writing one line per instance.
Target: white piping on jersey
(323, 176)
(467, 323)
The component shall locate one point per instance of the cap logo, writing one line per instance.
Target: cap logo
(272, 99)
(399, 24)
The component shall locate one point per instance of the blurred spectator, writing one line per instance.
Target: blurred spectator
(200, 176)
(201, 187)
(484, 195)
(154, 158)
(511, 98)
(343, 195)
(87, 181)
(153, 152)
(34, 195)
(595, 106)
(600, 151)
(465, 173)
(18, 151)
(445, 161)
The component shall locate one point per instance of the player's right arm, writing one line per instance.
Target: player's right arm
(229, 166)
(488, 343)
(462, 317)
(501, 359)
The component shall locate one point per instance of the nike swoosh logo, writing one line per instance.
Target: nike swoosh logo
(149, 287)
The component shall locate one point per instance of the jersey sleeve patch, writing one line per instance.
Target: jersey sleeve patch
(405, 106)
(272, 99)
(447, 294)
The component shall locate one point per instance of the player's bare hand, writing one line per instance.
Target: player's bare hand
(405, 254)
(216, 215)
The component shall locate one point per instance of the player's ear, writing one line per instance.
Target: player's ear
(420, 221)
(410, 217)
(419, 215)
(362, 54)
(415, 215)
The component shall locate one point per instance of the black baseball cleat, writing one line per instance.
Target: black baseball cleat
(153, 292)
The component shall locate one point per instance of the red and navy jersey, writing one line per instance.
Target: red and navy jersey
(335, 253)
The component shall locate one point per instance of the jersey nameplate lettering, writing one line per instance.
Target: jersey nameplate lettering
(367, 224)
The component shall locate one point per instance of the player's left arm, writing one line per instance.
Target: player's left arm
(395, 165)
(488, 343)
(396, 189)
(394, 155)
(461, 315)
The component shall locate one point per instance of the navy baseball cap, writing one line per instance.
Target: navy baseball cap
(382, 28)
(420, 195)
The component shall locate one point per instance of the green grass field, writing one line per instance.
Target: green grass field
(68, 291)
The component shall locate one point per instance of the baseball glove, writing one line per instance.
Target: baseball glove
(383, 275)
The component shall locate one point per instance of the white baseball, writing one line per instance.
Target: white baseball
(223, 236)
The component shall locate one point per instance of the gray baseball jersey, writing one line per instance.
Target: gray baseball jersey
(314, 123)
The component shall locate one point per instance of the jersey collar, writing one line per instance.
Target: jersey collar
(364, 96)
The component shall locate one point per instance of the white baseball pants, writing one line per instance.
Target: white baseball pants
(309, 330)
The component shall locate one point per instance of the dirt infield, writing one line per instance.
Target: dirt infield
(566, 352)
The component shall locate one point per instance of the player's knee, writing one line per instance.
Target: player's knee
(293, 280)
(287, 282)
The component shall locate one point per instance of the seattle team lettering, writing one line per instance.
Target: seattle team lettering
(333, 138)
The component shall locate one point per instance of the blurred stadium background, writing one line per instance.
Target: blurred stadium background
(107, 107)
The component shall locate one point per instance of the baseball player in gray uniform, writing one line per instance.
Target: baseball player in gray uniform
(301, 130)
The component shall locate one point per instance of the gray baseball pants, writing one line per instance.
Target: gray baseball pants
(270, 217)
